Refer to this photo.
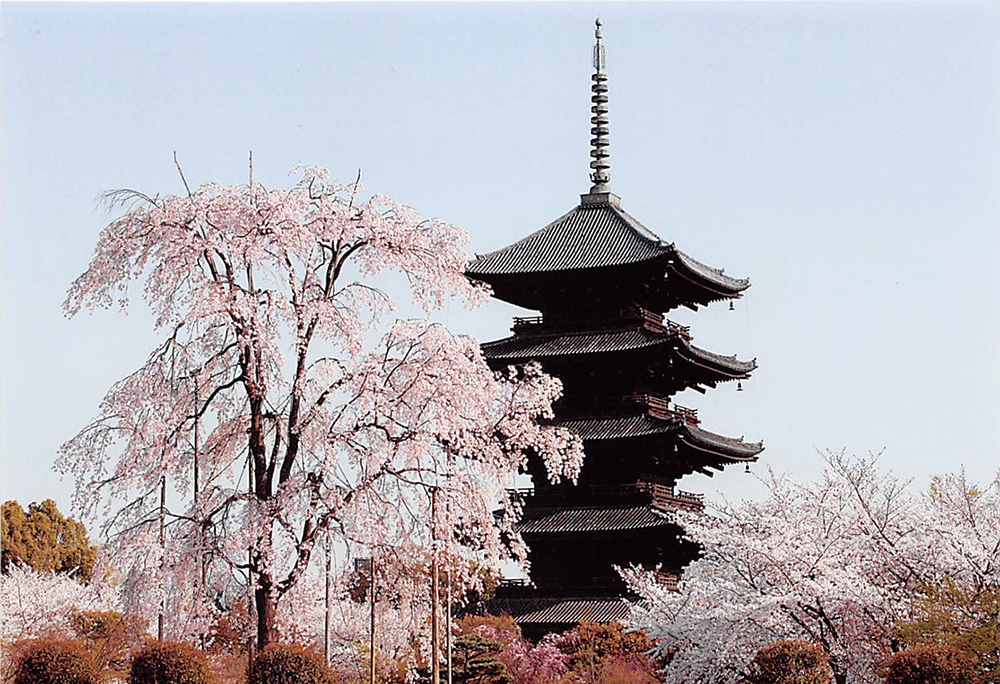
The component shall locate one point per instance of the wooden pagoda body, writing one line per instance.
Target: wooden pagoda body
(601, 282)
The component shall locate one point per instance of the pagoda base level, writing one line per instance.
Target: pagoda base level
(540, 616)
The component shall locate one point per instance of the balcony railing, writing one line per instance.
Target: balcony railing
(650, 320)
(659, 495)
(667, 579)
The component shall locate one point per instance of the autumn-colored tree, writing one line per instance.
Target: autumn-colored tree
(110, 637)
(45, 540)
(964, 617)
(791, 661)
(53, 661)
(169, 662)
(287, 389)
(931, 665)
(527, 663)
(599, 651)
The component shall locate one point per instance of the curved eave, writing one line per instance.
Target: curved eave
(521, 348)
(728, 366)
(713, 280)
(734, 450)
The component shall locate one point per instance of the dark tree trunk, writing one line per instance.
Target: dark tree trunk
(267, 629)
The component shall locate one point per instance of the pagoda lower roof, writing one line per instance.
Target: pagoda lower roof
(645, 425)
(562, 611)
(551, 520)
(598, 233)
(540, 346)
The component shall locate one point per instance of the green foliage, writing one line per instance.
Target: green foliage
(54, 661)
(790, 662)
(168, 662)
(45, 540)
(965, 619)
(289, 664)
(476, 661)
(110, 637)
(600, 652)
(931, 665)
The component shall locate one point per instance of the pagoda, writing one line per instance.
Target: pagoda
(601, 282)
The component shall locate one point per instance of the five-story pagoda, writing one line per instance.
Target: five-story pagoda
(601, 282)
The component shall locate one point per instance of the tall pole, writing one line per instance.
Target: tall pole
(163, 507)
(435, 662)
(447, 634)
(326, 604)
(371, 596)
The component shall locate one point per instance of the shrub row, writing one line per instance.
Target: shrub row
(66, 661)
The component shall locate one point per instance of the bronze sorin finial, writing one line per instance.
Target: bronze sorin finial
(599, 143)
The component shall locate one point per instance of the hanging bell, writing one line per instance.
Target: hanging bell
(739, 386)
(747, 469)
(731, 307)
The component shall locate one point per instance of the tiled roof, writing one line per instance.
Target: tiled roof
(540, 346)
(642, 425)
(736, 449)
(585, 237)
(591, 519)
(568, 343)
(618, 427)
(564, 611)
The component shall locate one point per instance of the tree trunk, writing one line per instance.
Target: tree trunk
(265, 600)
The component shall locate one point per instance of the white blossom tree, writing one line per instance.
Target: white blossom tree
(285, 387)
(837, 562)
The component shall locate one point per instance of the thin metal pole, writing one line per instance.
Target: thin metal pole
(163, 506)
(447, 634)
(326, 613)
(435, 662)
(371, 654)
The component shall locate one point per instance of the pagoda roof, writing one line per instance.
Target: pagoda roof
(645, 425)
(597, 233)
(587, 236)
(591, 519)
(564, 611)
(566, 344)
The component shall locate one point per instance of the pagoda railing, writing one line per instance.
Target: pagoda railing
(650, 320)
(669, 580)
(659, 495)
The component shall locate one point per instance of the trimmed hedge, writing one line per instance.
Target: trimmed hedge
(931, 665)
(169, 662)
(792, 661)
(54, 661)
(289, 664)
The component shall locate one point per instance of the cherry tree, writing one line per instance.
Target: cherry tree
(285, 406)
(837, 562)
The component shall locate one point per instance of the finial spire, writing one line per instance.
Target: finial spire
(599, 143)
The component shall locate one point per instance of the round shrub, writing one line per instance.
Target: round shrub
(54, 661)
(169, 662)
(793, 661)
(289, 664)
(931, 665)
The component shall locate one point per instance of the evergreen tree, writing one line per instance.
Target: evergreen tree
(44, 540)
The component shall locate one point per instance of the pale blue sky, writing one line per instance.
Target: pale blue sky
(844, 156)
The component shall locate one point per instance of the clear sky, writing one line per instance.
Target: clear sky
(844, 156)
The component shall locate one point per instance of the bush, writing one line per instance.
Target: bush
(54, 661)
(168, 662)
(109, 636)
(931, 665)
(289, 664)
(793, 661)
